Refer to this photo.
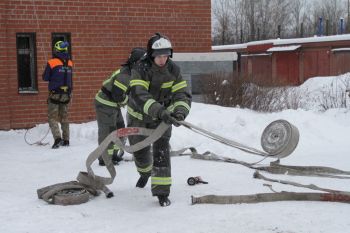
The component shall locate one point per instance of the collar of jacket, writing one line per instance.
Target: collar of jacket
(63, 56)
(156, 68)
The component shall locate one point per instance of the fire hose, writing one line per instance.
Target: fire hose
(279, 140)
(328, 195)
(70, 193)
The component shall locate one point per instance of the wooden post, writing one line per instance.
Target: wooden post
(301, 30)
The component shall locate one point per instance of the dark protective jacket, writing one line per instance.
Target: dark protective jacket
(114, 90)
(59, 72)
(154, 88)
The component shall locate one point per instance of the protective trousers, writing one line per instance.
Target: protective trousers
(58, 113)
(153, 160)
(108, 119)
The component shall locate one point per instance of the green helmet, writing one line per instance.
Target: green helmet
(61, 46)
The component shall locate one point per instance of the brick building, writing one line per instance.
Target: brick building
(101, 34)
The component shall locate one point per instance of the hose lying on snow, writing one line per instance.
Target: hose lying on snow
(329, 195)
(270, 197)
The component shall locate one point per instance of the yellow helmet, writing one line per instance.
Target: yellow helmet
(61, 46)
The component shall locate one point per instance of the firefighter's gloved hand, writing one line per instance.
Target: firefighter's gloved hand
(178, 116)
(165, 116)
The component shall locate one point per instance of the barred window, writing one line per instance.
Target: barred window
(26, 63)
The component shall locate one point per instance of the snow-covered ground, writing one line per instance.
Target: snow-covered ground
(324, 141)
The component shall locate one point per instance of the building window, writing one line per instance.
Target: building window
(26, 63)
(61, 36)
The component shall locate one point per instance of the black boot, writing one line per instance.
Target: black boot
(141, 183)
(65, 143)
(163, 200)
(101, 162)
(57, 143)
(117, 157)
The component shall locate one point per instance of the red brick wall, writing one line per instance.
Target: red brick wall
(4, 72)
(102, 34)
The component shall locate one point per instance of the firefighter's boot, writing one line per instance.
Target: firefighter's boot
(163, 200)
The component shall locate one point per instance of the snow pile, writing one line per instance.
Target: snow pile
(321, 93)
(318, 94)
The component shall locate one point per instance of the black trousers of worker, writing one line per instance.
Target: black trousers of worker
(153, 160)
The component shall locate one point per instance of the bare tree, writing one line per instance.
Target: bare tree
(223, 14)
(264, 19)
(280, 14)
(297, 11)
(330, 11)
(334, 10)
(250, 15)
(239, 21)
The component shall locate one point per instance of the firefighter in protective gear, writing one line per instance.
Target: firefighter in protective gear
(157, 93)
(58, 73)
(109, 99)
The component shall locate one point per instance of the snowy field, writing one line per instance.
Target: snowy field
(324, 141)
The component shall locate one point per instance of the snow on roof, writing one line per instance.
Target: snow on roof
(232, 46)
(256, 54)
(284, 48)
(313, 39)
(243, 46)
(285, 41)
(340, 49)
(259, 42)
(217, 56)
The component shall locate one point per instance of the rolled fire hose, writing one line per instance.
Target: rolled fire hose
(279, 139)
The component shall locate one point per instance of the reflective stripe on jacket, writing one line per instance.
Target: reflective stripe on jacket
(153, 88)
(114, 89)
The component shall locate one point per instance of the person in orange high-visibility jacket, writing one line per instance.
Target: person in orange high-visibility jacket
(58, 73)
(157, 93)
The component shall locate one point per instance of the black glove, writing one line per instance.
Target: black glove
(165, 116)
(178, 116)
